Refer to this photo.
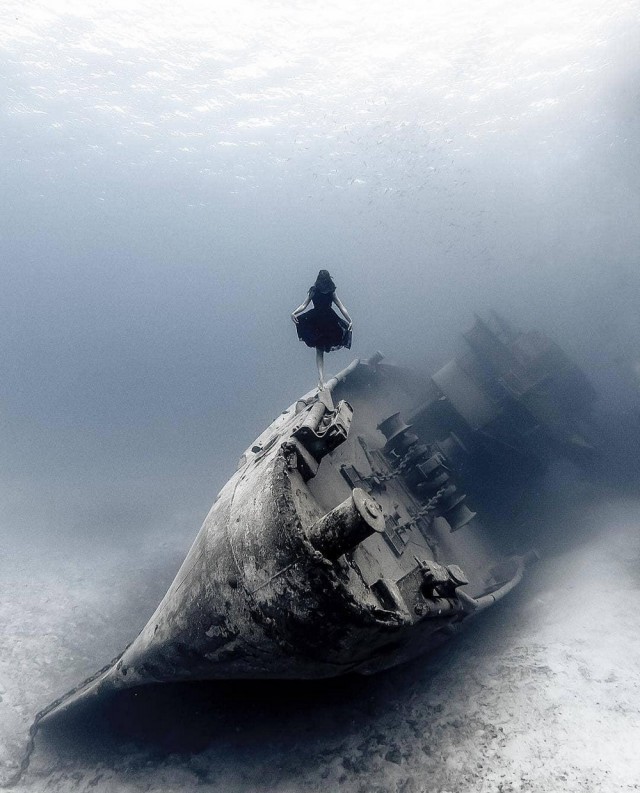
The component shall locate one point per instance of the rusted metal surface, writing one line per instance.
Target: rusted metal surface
(347, 525)
(342, 543)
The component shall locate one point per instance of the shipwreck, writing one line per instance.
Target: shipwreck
(345, 542)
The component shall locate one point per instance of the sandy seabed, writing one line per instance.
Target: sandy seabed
(541, 693)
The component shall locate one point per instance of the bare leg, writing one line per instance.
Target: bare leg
(320, 365)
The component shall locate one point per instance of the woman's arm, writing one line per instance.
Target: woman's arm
(300, 309)
(343, 310)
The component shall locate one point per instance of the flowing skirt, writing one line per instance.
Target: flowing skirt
(323, 329)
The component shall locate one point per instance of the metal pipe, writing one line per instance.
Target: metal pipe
(472, 605)
(314, 417)
(331, 384)
(438, 607)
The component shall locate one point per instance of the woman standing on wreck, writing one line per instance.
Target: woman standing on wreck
(321, 327)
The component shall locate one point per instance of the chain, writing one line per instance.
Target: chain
(424, 510)
(397, 469)
(431, 503)
(400, 467)
(35, 725)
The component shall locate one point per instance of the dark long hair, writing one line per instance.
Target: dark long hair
(324, 282)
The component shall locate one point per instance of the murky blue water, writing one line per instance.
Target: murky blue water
(172, 179)
(175, 177)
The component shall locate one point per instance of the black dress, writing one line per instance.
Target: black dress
(321, 327)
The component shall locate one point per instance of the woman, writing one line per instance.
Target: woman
(321, 327)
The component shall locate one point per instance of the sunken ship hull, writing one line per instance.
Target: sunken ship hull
(343, 543)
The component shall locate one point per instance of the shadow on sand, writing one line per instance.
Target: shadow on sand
(263, 722)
